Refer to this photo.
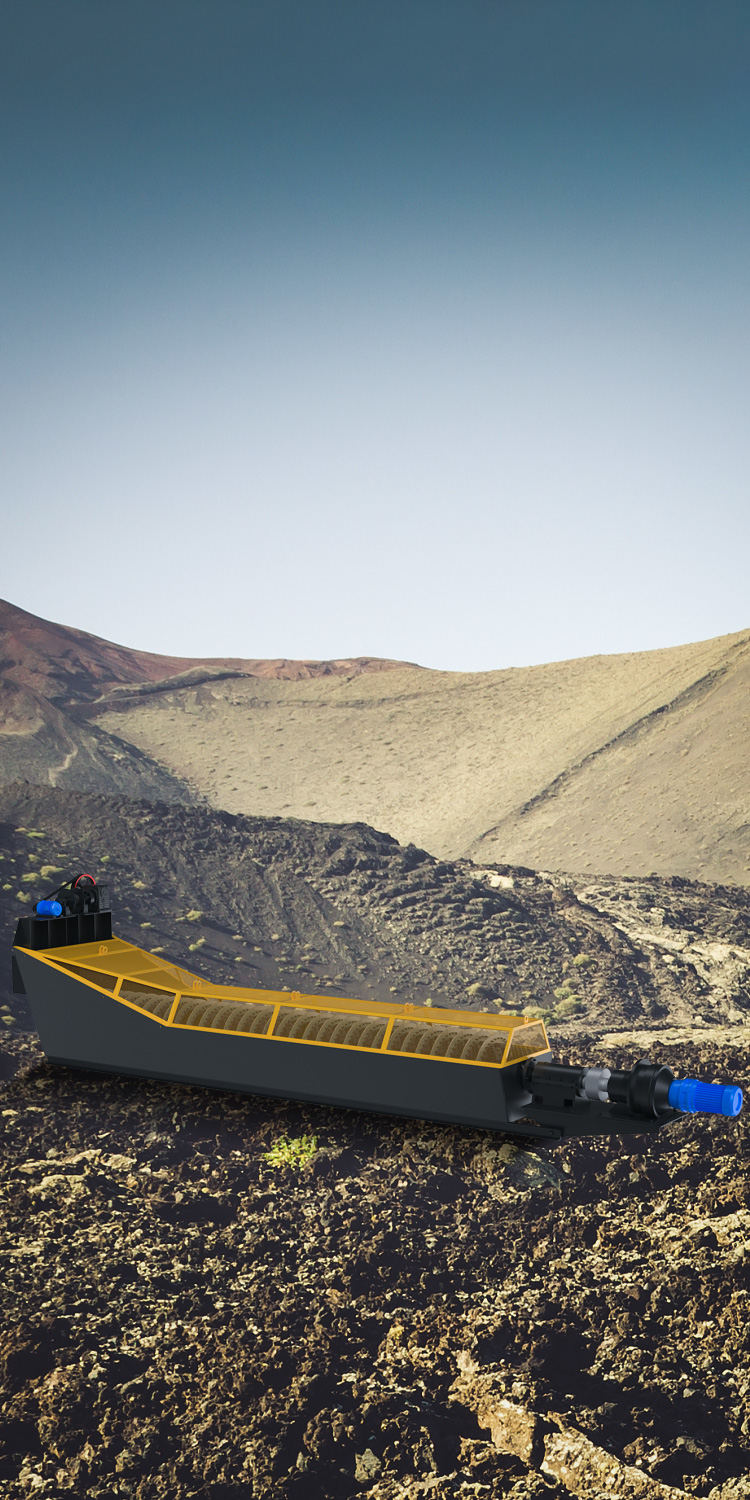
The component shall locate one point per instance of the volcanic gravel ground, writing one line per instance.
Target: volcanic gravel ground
(382, 1308)
(414, 1311)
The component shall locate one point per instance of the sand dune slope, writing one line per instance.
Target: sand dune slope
(627, 763)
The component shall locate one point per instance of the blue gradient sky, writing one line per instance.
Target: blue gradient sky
(414, 330)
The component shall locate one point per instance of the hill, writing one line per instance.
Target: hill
(630, 764)
(50, 674)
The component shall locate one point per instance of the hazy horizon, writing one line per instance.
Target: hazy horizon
(410, 331)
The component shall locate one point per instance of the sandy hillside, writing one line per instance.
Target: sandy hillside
(629, 764)
(624, 764)
(50, 673)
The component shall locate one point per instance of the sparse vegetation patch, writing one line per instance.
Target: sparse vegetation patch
(295, 1153)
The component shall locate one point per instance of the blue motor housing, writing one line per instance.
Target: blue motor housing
(48, 909)
(693, 1097)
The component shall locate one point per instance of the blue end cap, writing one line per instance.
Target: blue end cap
(694, 1097)
(48, 909)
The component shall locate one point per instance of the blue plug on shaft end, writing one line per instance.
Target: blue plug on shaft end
(693, 1097)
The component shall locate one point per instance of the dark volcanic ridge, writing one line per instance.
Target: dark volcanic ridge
(238, 1298)
(345, 909)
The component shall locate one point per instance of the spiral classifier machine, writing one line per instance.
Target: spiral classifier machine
(100, 1002)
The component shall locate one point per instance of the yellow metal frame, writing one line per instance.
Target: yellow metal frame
(122, 961)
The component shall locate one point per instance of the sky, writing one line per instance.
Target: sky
(412, 330)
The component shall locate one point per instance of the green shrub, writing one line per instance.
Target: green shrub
(569, 1005)
(584, 961)
(296, 1153)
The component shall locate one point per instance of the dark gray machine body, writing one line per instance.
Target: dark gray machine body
(79, 1028)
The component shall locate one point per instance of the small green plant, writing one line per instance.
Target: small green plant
(569, 1005)
(47, 871)
(295, 1152)
(584, 961)
(193, 916)
(197, 944)
(30, 879)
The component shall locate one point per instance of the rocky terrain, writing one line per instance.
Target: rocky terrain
(222, 1296)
